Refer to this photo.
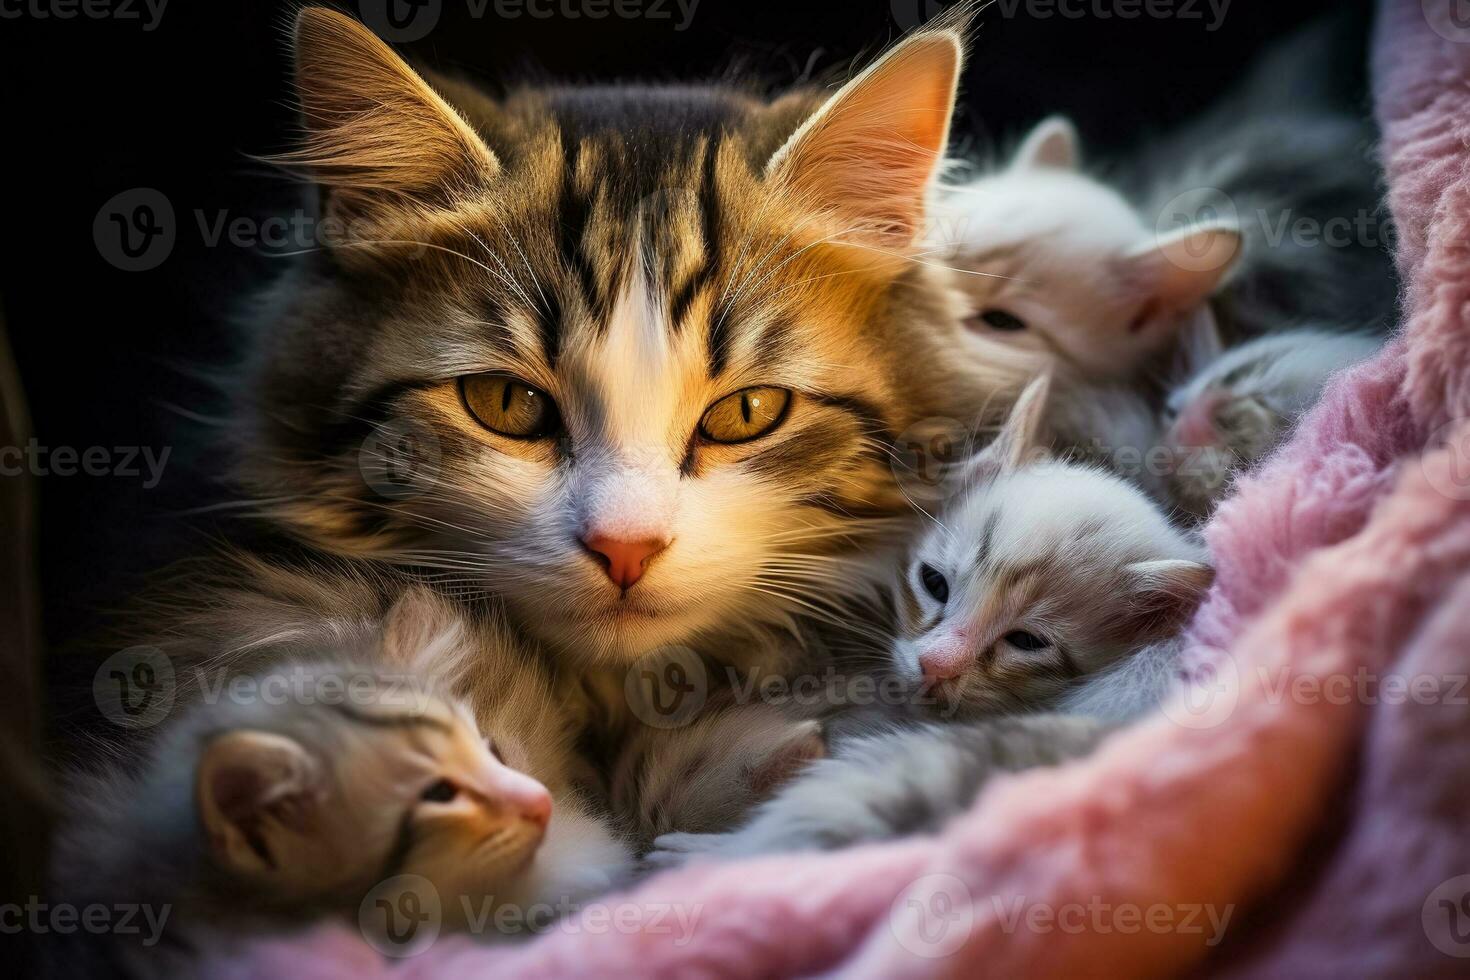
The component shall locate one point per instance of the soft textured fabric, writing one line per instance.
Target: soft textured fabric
(1300, 789)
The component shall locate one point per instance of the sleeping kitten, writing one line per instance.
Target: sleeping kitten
(1047, 586)
(254, 812)
(1056, 261)
(1243, 403)
(706, 776)
(283, 809)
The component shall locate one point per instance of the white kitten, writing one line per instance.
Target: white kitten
(1042, 573)
(1240, 404)
(1056, 261)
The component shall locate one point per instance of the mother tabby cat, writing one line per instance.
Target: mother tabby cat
(649, 346)
(643, 353)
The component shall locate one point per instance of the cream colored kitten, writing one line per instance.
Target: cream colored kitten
(1056, 261)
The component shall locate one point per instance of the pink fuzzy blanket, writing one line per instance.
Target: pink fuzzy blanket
(1302, 812)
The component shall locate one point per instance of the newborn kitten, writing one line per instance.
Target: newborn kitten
(1042, 573)
(273, 812)
(1055, 261)
(272, 809)
(1047, 585)
(1243, 403)
(706, 776)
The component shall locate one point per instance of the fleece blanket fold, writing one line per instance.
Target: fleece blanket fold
(1298, 809)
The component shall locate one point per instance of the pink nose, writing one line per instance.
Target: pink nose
(536, 807)
(945, 662)
(515, 794)
(1195, 425)
(622, 560)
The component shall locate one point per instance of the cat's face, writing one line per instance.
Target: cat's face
(313, 797)
(1057, 262)
(649, 347)
(1042, 572)
(1240, 405)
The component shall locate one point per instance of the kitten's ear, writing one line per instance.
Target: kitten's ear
(869, 155)
(1200, 345)
(424, 633)
(1178, 271)
(257, 795)
(1053, 144)
(379, 137)
(1163, 594)
(1021, 439)
(802, 743)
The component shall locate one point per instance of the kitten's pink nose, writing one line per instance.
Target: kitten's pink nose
(535, 807)
(516, 794)
(1195, 425)
(623, 560)
(945, 661)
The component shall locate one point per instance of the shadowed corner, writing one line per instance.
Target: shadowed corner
(25, 815)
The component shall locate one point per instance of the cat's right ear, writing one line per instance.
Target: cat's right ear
(1021, 439)
(256, 793)
(867, 158)
(380, 141)
(1052, 144)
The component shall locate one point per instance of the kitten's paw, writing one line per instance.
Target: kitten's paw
(673, 850)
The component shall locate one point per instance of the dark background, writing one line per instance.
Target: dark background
(95, 107)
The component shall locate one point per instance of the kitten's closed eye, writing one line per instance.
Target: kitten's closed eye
(1001, 320)
(1022, 640)
(439, 791)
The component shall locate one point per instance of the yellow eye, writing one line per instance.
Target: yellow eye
(509, 406)
(744, 415)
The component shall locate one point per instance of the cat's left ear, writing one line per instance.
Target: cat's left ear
(381, 142)
(869, 155)
(1053, 144)
(1178, 271)
(256, 793)
(1163, 594)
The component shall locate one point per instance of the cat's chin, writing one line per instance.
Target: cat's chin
(618, 631)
